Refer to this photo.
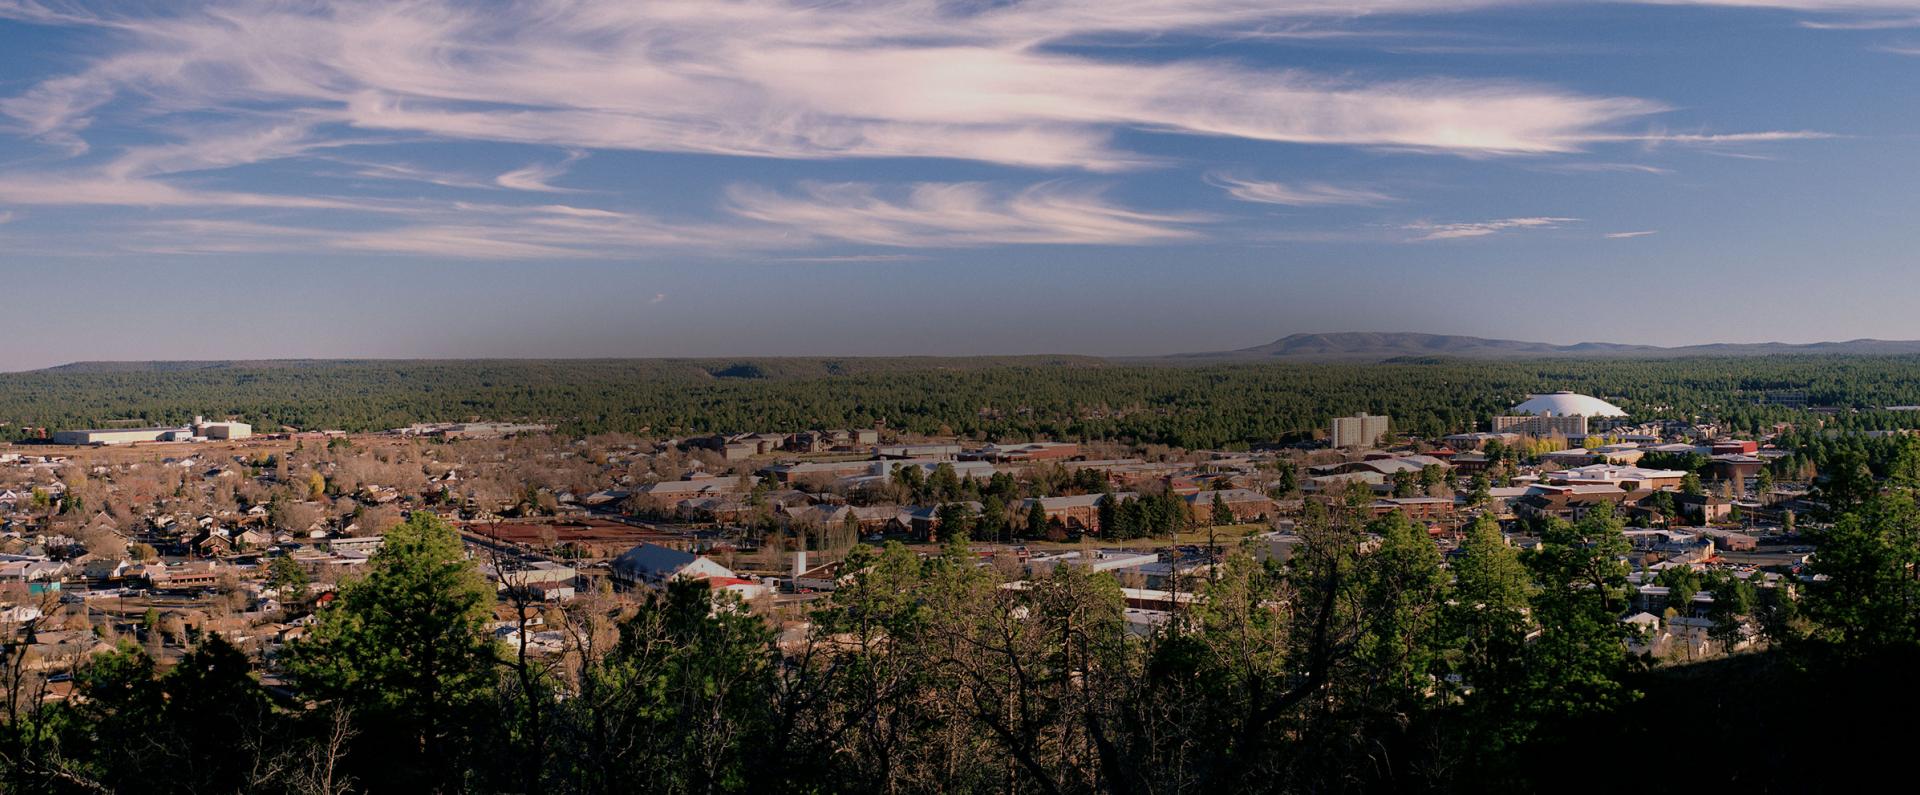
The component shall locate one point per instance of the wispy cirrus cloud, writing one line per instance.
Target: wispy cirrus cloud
(1299, 194)
(1630, 235)
(1455, 231)
(958, 214)
(1602, 168)
(1871, 23)
(539, 176)
(775, 78)
(831, 258)
(1718, 139)
(185, 99)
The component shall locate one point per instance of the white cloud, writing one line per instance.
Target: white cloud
(1628, 235)
(1850, 6)
(218, 86)
(1720, 139)
(1883, 23)
(1301, 194)
(1454, 231)
(657, 298)
(1604, 168)
(411, 173)
(781, 78)
(855, 258)
(957, 214)
(538, 176)
(91, 189)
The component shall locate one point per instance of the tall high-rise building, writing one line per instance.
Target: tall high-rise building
(1359, 430)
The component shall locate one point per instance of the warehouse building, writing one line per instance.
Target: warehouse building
(105, 436)
(200, 429)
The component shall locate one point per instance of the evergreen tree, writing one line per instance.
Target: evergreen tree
(956, 521)
(1577, 663)
(286, 577)
(1869, 598)
(1488, 619)
(993, 518)
(1036, 520)
(404, 648)
(1404, 589)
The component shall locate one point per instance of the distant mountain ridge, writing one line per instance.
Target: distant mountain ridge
(1361, 346)
(1355, 347)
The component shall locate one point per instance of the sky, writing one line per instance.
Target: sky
(593, 178)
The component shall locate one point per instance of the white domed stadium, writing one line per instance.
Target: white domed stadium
(1568, 404)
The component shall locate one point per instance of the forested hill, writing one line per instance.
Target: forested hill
(1376, 347)
(750, 367)
(1004, 398)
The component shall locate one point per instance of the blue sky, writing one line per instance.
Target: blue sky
(763, 177)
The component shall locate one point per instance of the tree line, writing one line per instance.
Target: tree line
(1002, 398)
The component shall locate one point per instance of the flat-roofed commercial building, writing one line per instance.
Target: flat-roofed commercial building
(224, 430)
(104, 436)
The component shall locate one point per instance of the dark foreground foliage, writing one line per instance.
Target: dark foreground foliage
(1362, 663)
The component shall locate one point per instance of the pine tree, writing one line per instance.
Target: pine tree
(404, 648)
(1222, 514)
(1036, 520)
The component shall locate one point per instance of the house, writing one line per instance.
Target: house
(1731, 540)
(923, 521)
(105, 569)
(747, 590)
(725, 508)
(33, 571)
(652, 566)
(869, 519)
(1704, 508)
(663, 495)
(1470, 463)
(356, 545)
(212, 544)
(1418, 508)
(1247, 505)
(184, 576)
(1572, 504)
(1078, 512)
(1735, 467)
(537, 573)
